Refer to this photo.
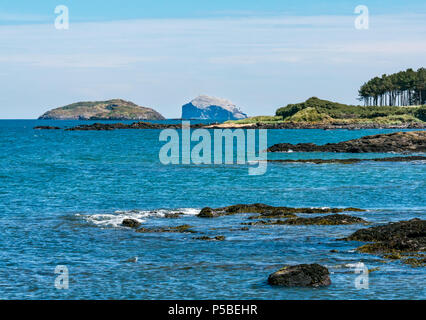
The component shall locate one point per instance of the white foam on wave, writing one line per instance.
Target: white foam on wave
(116, 219)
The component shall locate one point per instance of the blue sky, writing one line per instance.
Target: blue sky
(259, 54)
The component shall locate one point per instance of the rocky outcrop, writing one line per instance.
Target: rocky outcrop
(148, 125)
(207, 238)
(411, 141)
(46, 128)
(351, 160)
(316, 125)
(178, 229)
(330, 220)
(395, 239)
(266, 210)
(116, 109)
(135, 125)
(302, 275)
(205, 107)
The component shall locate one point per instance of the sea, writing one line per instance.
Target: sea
(64, 195)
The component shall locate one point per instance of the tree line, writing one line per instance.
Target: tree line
(404, 88)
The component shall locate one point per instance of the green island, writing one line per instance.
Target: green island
(115, 109)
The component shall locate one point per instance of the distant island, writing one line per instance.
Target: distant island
(211, 108)
(398, 99)
(116, 109)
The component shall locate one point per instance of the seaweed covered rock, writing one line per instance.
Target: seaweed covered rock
(180, 229)
(46, 128)
(266, 210)
(334, 219)
(411, 141)
(302, 275)
(394, 240)
(207, 238)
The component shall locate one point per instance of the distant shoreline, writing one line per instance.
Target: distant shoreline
(283, 125)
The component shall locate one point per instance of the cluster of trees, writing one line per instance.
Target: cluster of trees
(403, 88)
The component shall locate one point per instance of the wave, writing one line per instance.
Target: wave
(115, 219)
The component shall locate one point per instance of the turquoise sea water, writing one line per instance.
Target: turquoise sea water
(64, 194)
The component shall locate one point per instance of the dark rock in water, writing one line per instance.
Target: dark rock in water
(411, 141)
(216, 238)
(131, 223)
(205, 107)
(351, 160)
(173, 215)
(115, 109)
(266, 211)
(135, 125)
(46, 128)
(180, 229)
(302, 275)
(394, 239)
(207, 212)
(335, 219)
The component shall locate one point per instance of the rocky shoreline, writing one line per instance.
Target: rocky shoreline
(350, 160)
(284, 125)
(404, 240)
(400, 142)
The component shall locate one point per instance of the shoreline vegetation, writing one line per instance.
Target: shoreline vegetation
(316, 113)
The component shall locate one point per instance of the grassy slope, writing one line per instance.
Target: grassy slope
(117, 108)
(323, 111)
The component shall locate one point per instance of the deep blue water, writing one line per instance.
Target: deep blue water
(63, 196)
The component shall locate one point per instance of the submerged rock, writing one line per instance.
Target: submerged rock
(181, 229)
(131, 223)
(206, 238)
(266, 211)
(302, 275)
(46, 128)
(173, 215)
(335, 219)
(411, 141)
(351, 160)
(394, 239)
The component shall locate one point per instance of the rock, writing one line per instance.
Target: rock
(266, 211)
(205, 107)
(394, 239)
(207, 213)
(116, 109)
(411, 141)
(206, 238)
(302, 275)
(131, 223)
(316, 125)
(335, 219)
(351, 160)
(134, 125)
(173, 215)
(46, 128)
(180, 229)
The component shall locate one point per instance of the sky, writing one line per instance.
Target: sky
(261, 55)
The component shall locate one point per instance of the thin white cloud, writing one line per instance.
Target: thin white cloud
(162, 62)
